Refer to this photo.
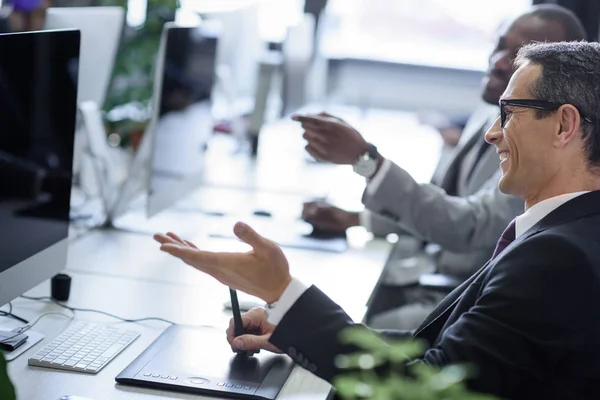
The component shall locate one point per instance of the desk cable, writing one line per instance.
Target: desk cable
(9, 314)
(48, 299)
(27, 327)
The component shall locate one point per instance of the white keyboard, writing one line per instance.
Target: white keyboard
(84, 347)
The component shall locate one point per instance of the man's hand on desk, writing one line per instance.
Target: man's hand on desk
(258, 331)
(262, 272)
(331, 139)
(324, 216)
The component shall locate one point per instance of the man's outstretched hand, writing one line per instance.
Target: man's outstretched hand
(331, 139)
(262, 272)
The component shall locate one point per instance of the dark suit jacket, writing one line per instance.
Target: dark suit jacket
(529, 320)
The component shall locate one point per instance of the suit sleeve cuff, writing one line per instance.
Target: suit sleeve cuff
(364, 219)
(379, 177)
(290, 295)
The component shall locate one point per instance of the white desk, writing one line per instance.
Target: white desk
(125, 273)
(129, 298)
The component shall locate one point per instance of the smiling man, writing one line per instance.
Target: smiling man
(460, 216)
(529, 318)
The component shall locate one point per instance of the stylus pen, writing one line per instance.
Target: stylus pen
(237, 315)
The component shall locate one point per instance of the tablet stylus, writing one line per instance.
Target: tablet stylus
(237, 315)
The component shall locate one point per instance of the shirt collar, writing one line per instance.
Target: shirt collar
(533, 215)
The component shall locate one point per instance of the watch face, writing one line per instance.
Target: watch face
(365, 167)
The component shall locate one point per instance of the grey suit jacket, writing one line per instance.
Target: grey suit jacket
(463, 216)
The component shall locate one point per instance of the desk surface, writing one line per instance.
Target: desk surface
(125, 273)
(129, 298)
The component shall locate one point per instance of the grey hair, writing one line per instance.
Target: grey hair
(570, 75)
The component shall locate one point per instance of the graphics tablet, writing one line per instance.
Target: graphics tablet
(200, 361)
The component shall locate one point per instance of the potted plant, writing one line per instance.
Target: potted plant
(132, 83)
(416, 382)
(7, 390)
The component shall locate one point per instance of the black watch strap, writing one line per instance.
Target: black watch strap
(372, 151)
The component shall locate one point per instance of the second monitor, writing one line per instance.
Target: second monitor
(184, 125)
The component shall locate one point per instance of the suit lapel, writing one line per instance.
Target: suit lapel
(471, 135)
(446, 305)
(579, 207)
(582, 206)
(487, 166)
(450, 180)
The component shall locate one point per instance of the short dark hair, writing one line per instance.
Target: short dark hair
(572, 27)
(570, 75)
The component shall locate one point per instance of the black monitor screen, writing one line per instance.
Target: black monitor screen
(189, 70)
(38, 92)
(184, 127)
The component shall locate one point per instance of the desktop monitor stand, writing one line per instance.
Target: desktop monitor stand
(124, 204)
(115, 196)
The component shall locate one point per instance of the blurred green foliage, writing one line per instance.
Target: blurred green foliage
(7, 391)
(132, 81)
(422, 382)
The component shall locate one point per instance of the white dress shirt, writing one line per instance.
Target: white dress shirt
(522, 223)
(534, 214)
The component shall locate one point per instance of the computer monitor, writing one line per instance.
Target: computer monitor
(170, 159)
(101, 29)
(241, 46)
(38, 93)
(184, 125)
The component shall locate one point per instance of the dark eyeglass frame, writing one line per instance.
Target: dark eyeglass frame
(532, 103)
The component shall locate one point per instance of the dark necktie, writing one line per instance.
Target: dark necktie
(483, 146)
(508, 236)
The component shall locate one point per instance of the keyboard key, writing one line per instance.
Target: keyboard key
(111, 351)
(84, 347)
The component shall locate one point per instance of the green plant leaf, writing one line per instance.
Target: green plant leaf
(424, 383)
(363, 338)
(7, 390)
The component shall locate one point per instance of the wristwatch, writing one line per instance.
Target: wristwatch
(366, 165)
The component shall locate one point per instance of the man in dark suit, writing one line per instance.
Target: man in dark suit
(528, 319)
(451, 225)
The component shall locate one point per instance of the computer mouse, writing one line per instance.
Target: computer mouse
(323, 234)
(262, 213)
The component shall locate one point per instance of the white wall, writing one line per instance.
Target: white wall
(407, 87)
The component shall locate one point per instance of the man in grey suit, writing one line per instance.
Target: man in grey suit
(460, 216)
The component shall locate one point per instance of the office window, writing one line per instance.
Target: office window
(455, 34)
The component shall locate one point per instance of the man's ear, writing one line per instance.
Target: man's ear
(569, 124)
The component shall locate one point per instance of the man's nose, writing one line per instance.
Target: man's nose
(494, 134)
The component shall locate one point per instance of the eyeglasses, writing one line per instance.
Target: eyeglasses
(531, 103)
